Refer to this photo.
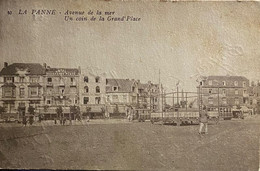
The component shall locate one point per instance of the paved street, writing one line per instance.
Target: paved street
(118, 144)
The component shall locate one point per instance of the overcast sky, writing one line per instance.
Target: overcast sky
(183, 39)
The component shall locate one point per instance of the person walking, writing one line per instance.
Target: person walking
(203, 121)
(24, 121)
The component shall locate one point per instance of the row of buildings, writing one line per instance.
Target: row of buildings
(46, 88)
(229, 92)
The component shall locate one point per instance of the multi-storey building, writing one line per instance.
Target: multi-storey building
(21, 86)
(121, 93)
(148, 96)
(224, 91)
(61, 88)
(92, 93)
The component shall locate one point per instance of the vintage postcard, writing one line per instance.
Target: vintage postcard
(129, 85)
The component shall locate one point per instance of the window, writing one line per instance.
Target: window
(76, 101)
(71, 80)
(49, 80)
(236, 83)
(210, 100)
(115, 88)
(34, 79)
(12, 107)
(21, 79)
(224, 83)
(9, 92)
(33, 91)
(115, 98)
(244, 84)
(224, 92)
(210, 91)
(86, 89)
(5, 105)
(97, 89)
(97, 100)
(224, 100)
(85, 100)
(125, 98)
(244, 92)
(48, 101)
(133, 89)
(21, 92)
(86, 79)
(237, 101)
(236, 91)
(210, 82)
(97, 79)
(8, 79)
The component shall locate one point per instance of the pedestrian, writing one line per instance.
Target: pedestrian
(64, 121)
(31, 120)
(24, 121)
(70, 120)
(203, 121)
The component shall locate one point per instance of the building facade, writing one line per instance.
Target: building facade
(21, 86)
(223, 91)
(61, 88)
(121, 93)
(92, 93)
(148, 96)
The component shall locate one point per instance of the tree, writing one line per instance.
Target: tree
(59, 111)
(2, 109)
(116, 109)
(31, 110)
(75, 110)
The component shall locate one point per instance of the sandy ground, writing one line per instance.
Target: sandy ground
(118, 144)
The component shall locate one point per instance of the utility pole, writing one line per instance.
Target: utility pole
(162, 101)
(178, 95)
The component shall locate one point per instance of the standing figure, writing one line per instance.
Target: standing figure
(24, 121)
(64, 120)
(203, 121)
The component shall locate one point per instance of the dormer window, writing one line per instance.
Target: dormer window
(97, 89)
(86, 79)
(97, 79)
(244, 84)
(236, 83)
(224, 83)
(115, 88)
(8, 79)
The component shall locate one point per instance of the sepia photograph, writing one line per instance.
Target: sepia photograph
(130, 85)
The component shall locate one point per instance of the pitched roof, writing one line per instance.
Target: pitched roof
(232, 78)
(143, 86)
(29, 68)
(65, 71)
(124, 85)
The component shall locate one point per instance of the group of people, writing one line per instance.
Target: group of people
(130, 112)
(27, 119)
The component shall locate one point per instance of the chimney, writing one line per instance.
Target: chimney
(5, 64)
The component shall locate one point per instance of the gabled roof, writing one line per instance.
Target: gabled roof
(28, 68)
(124, 85)
(224, 78)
